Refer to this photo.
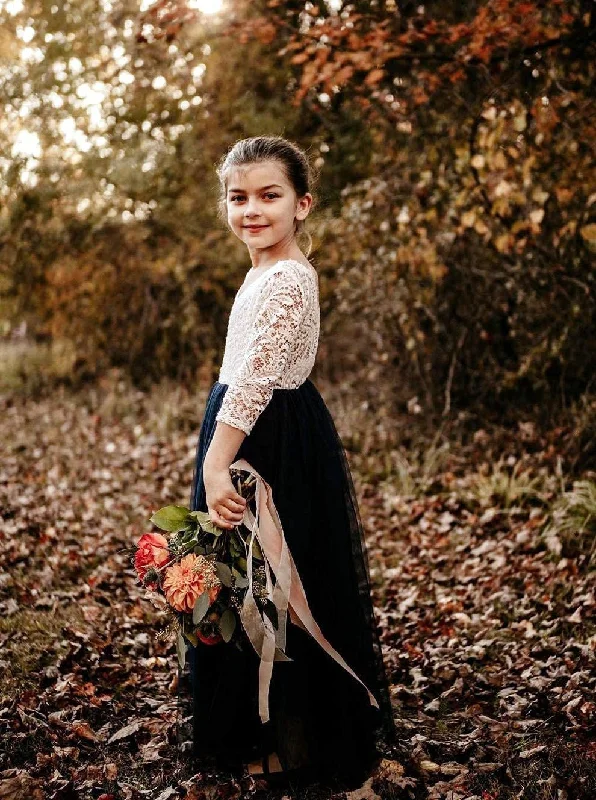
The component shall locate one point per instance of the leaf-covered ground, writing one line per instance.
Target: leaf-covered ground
(487, 625)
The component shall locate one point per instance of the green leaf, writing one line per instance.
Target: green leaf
(205, 522)
(256, 551)
(241, 564)
(227, 624)
(189, 527)
(181, 649)
(240, 581)
(201, 605)
(171, 518)
(223, 573)
(192, 638)
(236, 544)
(210, 527)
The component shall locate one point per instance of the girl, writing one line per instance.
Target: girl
(265, 409)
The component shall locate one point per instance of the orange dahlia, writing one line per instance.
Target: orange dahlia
(189, 578)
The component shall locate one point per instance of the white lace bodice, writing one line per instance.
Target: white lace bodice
(271, 342)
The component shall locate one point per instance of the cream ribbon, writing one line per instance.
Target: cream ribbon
(288, 593)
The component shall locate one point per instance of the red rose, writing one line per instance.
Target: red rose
(214, 639)
(208, 632)
(152, 553)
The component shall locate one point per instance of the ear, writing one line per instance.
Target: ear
(303, 206)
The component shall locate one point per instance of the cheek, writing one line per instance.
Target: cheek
(287, 211)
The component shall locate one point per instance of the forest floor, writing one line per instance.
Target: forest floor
(486, 612)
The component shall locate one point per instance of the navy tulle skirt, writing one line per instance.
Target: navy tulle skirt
(320, 716)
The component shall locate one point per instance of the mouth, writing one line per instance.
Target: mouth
(255, 227)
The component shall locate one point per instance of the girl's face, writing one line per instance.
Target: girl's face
(262, 205)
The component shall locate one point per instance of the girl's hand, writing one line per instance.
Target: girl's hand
(224, 504)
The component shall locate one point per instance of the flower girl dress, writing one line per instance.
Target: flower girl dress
(321, 718)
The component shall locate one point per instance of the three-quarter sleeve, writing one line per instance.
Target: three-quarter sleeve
(270, 346)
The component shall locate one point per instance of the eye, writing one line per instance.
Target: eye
(235, 197)
(271, 194)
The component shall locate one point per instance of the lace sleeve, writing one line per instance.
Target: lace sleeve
(272, 337)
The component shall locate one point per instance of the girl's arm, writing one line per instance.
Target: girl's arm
(225, 505)
(268, 351)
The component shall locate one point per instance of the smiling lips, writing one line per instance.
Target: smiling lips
(255, 227)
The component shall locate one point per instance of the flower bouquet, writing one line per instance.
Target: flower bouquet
(199, 571)
(211, 578)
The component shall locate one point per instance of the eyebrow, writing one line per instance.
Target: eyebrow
(271, 185)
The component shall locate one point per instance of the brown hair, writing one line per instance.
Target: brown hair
(291, 158)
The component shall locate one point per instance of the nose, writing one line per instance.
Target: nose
(251, 209)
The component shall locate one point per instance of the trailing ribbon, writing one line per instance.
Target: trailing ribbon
(288, 593)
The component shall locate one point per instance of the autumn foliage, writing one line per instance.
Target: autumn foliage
(456, 231)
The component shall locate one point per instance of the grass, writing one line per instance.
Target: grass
(414, 474)
(27, 367)
(33, 640)
(571, 529)
(507, 485)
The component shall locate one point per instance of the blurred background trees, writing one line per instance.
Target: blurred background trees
(455, 231)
